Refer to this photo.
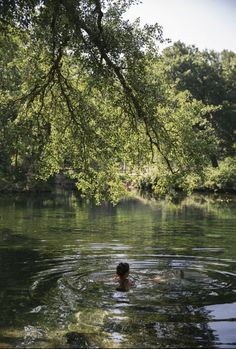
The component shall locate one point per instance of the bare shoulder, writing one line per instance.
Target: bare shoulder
(124, 285)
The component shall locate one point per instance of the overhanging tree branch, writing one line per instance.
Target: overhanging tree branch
(97, 40)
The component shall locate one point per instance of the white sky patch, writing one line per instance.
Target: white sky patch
(207, 24)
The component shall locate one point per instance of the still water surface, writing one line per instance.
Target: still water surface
(58, 257)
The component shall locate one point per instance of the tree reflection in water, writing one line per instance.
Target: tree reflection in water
(58, 257)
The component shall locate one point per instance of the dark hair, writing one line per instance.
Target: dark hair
(122, 269)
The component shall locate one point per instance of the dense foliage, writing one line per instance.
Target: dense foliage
(87, 93)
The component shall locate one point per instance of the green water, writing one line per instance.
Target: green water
(58, 256)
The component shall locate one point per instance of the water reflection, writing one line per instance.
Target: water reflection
(58, 258)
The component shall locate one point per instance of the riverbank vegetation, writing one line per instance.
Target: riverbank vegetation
(90, 95)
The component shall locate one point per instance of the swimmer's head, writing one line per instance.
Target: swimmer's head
(122, 269)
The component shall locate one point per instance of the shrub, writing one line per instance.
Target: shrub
(222, 177)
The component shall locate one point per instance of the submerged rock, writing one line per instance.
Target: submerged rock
(88, 321)
(77, 340)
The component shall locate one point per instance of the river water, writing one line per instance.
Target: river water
(58, 257)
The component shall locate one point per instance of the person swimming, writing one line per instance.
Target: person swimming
(122, 273)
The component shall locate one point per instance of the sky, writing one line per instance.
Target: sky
(207, 24)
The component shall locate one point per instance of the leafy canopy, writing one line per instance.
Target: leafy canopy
(84, 92)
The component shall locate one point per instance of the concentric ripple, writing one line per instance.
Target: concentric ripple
(58, 265)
